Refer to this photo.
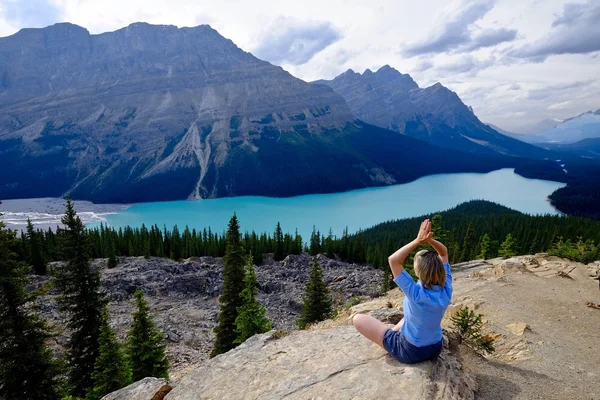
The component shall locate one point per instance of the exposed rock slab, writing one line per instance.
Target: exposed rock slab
(517, 328)
(333, 363)
(140, 390)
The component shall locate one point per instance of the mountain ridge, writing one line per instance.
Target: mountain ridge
(152, 112)
(392, 100)
(570, 131)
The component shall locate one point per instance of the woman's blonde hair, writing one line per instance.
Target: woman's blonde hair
(429, 268)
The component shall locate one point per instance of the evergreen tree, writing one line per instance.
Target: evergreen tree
(113, 261)
(111, 370)
(484, 247)
(469, 244)
(231, 295)
(278, 238)
(80, 299)
(436, 227)
(145, 345)
(329, 244)
(317, 302)
(386, 285)
(27, 369)
(36, 257)
(508, 247)
(533, 248)
(251, 318)
(315, 242)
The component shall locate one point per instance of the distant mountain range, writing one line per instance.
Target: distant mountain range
(505, 132)
(160, 113)
(391, 100)
(572, 130)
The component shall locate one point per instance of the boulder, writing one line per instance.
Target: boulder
(333, 363)
(146, 389)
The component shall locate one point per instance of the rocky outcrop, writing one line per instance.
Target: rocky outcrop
(146, 389)
(333, 363)
(391, 100)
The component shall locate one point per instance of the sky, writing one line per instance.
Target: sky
(516, 62)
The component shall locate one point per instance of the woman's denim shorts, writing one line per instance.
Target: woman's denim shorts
(396, 344)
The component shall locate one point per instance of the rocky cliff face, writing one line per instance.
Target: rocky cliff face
(159, 113)
(392, 100)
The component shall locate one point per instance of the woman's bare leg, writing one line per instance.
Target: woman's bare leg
(371, 328)
(398, 325)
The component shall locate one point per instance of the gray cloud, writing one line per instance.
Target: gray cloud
(514, 86)
(489, 38)
(457, 35)
(467, 65)
(424, 65)
(294, 42)
(31, 13)
(557, 90)
(575, 31)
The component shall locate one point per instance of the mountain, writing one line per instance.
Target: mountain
(588, 148)
(505, 132)
(153, 112)
(540, 126)
(392, 100)
(571, 130)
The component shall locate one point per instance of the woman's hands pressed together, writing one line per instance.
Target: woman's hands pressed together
(425, 234)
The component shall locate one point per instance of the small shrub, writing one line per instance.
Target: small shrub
(44, 289)
(467, 325)
(278, 334)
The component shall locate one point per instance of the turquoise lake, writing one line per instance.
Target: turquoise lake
(356, 209)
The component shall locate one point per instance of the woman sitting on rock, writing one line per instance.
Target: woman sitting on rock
(418, 336)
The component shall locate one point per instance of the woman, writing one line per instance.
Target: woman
(418, 336)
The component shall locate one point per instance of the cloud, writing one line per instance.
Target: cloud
(490, 38)
(560, 106)
(424, 65)
(459, 34)
(575, 31)
(31, 13)
(289, 41)
(514, 86)
(467, 64)
(556, 90)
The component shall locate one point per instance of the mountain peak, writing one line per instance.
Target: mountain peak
(392, 100)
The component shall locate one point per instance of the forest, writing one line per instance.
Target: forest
(476, 229)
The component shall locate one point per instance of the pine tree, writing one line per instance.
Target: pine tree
(27, 369)
(329, 244)
(36, 257)
(80, 299)
(145, 344)
(111, 371)
(113, 261)
(386, 284)
(484, 247)
(278, 238)
(436, 227)
(469, 244)
(317, 302)
(251, 318)
(315, 242)
(508, 247)
(231, 295)
(533, 248)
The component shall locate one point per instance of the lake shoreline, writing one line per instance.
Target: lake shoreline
(356, 209)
